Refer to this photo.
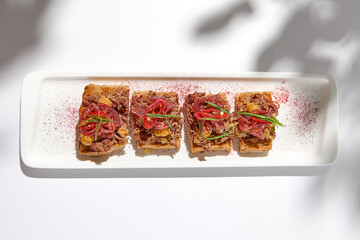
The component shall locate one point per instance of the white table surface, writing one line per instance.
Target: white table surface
(181, 36)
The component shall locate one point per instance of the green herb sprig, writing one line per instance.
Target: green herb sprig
(95, 119)
(97, 128)
(156, 115)
(98, 120)
(201, 129)
(102, 120)
(212, 119)
(272, 119)
(87, 121)
(168, 124)
(220, 136)
(217, 107)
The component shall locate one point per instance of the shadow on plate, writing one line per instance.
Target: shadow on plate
(100, 159)
(173, 172)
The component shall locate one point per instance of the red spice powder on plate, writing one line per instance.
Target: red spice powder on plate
(281, 94)
(182, 88)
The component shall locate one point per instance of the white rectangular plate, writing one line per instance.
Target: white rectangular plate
(308, 107)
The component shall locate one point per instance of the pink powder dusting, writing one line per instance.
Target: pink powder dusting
(183, 89)
(65, 115)
(62, 118)
(281, 94)
(303, 113)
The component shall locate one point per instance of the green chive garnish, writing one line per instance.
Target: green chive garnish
(98, 120)
(265, 118)
(97, 128)
(217, 107)
(228, 133)
(103, 120)
(201, 129)
(275, 117)
(217, 137)
(212, 119)
(87, 121)
(168, 124)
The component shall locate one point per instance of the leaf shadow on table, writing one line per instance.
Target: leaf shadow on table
(19, 28)
(328, 44)
(19, 33)
(319, 36)
(220, 19)
(311, 43)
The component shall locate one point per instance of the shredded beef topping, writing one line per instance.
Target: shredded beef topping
(145, 127)
(251, 127)
(196, 108)
(99, 120)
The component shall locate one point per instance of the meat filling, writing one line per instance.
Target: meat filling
(160, 132)
(211, 129)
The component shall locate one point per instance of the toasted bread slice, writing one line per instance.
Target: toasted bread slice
(193, 127)
(85, 150)
(153, 138)
(225, 146)
(247, 142)
(115, 97)
(158, 146)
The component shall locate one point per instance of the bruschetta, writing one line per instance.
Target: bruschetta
(255, 113)
(103, 123)
(156, 120)
(208, 122)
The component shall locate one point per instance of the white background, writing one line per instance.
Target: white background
(181, 36)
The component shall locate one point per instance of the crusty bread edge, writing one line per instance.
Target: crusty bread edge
(161, 146)
(268, 94)
(157, 93)
(225, 146)
(92, 89)
(113, 148)
(243, 147)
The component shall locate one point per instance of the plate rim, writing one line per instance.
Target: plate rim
(333, 107)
